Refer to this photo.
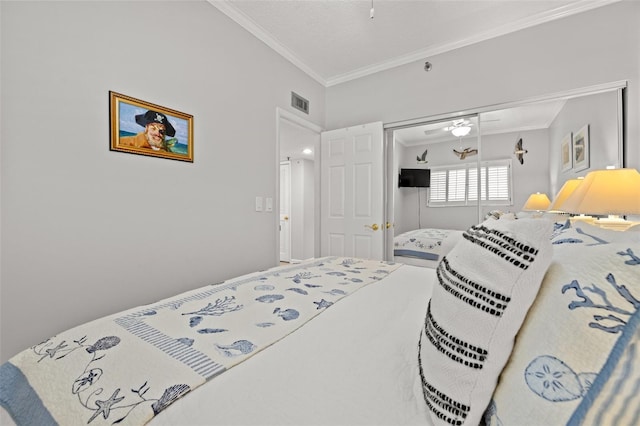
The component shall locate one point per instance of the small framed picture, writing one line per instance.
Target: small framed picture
(566, 153)
(140, 127)
(581, 149)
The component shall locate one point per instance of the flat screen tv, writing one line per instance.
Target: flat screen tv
(420, 178)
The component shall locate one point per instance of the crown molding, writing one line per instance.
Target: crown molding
(226, 7)
(248, 24)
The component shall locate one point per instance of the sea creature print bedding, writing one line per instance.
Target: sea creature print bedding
(128, 367)
(421, 243)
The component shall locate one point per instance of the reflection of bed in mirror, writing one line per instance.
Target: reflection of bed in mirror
(423, 247)
(538, 124)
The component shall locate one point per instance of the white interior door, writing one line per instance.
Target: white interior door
(285, 211)
(352, 192)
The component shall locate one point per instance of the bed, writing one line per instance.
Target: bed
(423, 247)
(337, 368)
(374, 343)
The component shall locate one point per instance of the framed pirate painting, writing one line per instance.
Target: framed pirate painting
(140, 127)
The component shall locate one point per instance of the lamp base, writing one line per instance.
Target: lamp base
(582, 218)
(614, 222)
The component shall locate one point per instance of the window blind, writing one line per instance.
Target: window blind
(455, 185)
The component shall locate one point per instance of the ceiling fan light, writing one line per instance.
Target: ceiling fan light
(460, 131)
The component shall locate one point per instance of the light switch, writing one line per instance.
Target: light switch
(269, 204)
(258, 204)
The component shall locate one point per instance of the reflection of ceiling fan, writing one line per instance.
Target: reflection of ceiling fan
(457, 127)
(456, 124)
(448, 126)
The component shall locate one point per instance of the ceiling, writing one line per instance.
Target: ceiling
(335, 41)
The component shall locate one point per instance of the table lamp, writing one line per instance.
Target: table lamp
(562, 195)
(537, 202)
(611, 192)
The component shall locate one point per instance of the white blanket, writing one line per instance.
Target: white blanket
(238, 388)
(128, 367)
(354, 365)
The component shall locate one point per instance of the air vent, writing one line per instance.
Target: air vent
(298, 102)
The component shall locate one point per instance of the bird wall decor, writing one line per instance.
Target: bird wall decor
(520, 151)
(422, 159)
(467, 152)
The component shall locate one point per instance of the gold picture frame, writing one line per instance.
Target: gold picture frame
(140, 127)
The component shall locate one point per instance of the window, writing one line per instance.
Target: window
(458, 185)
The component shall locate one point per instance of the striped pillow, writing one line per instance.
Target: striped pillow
(486, 285)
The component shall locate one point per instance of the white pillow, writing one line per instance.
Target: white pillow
(485, 287)
(450, 242)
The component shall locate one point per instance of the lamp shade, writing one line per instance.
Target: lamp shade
(537, 202)
(606, 192)
(562, 195)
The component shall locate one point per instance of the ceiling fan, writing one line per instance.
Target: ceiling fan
(448, 126)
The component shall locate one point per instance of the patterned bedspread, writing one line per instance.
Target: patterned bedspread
(128, 367)
(421, 243)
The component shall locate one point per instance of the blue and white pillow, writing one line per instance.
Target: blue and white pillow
(485, 285)
(588, 299)
(613, 398)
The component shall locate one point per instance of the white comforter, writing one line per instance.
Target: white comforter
(353, 365)
(365, 375)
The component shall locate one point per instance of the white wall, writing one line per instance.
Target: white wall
(594, 47)
(86, 231)
(530, 177)
(597, 112)
(408, 202)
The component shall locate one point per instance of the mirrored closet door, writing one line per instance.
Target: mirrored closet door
(438, 169)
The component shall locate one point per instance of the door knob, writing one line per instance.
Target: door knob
(375, 226)
(388, 225)
(286, 218)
